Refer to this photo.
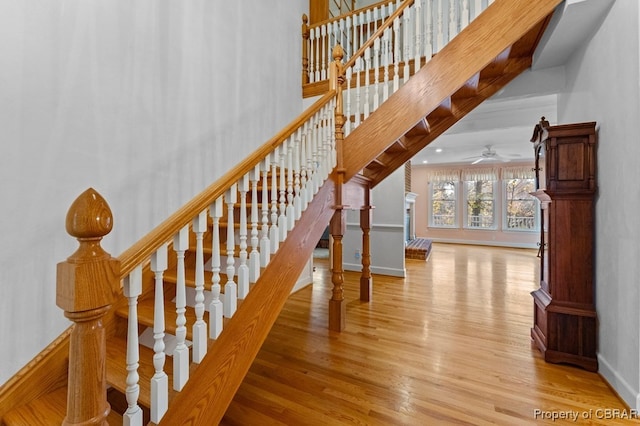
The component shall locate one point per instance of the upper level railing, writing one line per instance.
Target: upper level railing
(421, 32)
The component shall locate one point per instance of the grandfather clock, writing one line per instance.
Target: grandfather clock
(564, 315)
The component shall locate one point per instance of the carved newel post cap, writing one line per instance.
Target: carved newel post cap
(89, 278)
(337, 53)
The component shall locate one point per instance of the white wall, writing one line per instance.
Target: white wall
(603, 85)
(387, 230)
(146, 101)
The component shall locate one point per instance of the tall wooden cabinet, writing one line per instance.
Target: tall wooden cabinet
(564, 314)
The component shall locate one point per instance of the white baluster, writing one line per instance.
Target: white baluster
(199, 329)
(312, 55)
(215, 307)
(386, 55)
(265, 245)
(477, 8)
(368, 24)
(376, 73)
(348, 24)
(417, 36)
(428, 48)
(326, 51)
(230, 288)
(297, 199)
(406, 45)
(303, 167)
(290, 212)
(160, 380)
(181, 352)
(464, 14)
(319, 54)
(453, 27)
(363, 21)
(310, 158)
(254, 256)
(396, 54)
(440, 36)
(274, 233)
(282, 218)
(315, 148)
(355, 40)
(367, 85)
(332, 135)
(132, 288)
(243, 268)
(347, 123)
(358, 108)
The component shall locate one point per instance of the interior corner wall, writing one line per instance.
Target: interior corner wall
(603, 86)
(148, 102)
(387, 230)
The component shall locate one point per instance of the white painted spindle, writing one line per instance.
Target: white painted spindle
(230, 288)
(440, 29)
(265, 245)
(215, 306)
(199, 329)
(160, 380)
(406, 46)
(132, 288)
(282, 218)
(243, 268)
(297, 199)
(181, 352)
(417, 36)
(376, 73)
(396, 54)
(453, 27)
(274, 233)
(428, 51)
(290, 211)
(303, 166)
(325, 50)
(312, 55)
(254, 256)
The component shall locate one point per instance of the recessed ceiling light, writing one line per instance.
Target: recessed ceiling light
(438, 149)
(424, 161)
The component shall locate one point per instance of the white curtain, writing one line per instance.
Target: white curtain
(485, 174)
(444, 175)
(522, 172)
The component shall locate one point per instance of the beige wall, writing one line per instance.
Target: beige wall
(419, 185)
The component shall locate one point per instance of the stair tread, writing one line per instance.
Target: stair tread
(117, 369)
(49, 409)
(145, 315)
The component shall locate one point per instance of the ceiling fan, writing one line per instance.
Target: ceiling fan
(488, 154)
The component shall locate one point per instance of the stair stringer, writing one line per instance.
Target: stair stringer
(213, 384)
(491, 34)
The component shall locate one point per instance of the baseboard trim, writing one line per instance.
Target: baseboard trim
(380, 270)
(485, 243)
(625, 391)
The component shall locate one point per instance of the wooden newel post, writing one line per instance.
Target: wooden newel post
(336, 81)
(87, 284)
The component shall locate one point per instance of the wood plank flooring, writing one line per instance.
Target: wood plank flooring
(448, 344)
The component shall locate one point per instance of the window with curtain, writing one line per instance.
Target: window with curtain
(520, 208)
(480, 198)
(443, 186)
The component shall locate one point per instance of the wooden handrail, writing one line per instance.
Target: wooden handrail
(139, 252)
(387, 23)
(352, 13)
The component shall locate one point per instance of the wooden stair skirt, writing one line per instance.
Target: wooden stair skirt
(418, 248)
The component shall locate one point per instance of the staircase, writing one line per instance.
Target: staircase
(301, 176)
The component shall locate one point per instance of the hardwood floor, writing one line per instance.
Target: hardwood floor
(448, 344)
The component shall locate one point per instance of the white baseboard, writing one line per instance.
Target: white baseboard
(629, 395)
(484, 243)
(393, 272)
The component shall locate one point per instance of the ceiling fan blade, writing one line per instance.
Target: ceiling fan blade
(478, 160)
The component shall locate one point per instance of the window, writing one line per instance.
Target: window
(479, 193)
(443, 196)
(521, 208)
